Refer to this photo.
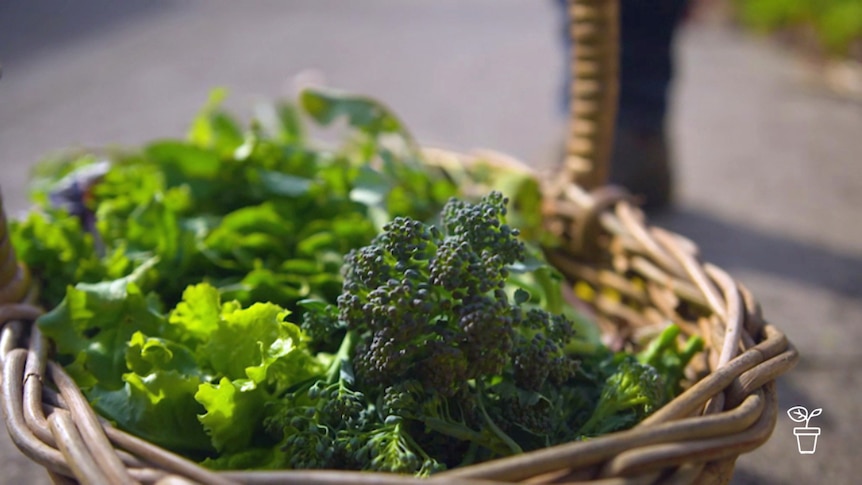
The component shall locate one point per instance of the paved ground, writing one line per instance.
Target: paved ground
(770, 180)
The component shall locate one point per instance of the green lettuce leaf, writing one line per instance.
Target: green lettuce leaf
(95, 322)
(196, 381)
(234, 413)
(197, 316)
(255, 353)
(257, 344)
(159, 407)
(59, 252)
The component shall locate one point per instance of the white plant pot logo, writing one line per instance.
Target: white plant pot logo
(806, 436)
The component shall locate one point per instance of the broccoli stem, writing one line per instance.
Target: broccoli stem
(692, 347)
(470, 456)
(411, 443)
(589, 428)
(343, 355)
(514, 448)
(456, 431)
(551, 289)
(665, 340)
(596, 425)
(463, 433)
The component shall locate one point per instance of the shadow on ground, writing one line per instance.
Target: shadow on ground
(732, 245)
(746, 476)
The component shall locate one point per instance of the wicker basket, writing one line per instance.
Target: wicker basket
(656, 275)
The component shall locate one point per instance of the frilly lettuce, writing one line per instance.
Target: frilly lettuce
(196, 380)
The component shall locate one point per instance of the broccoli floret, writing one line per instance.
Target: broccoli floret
(327, 424)
(548, 417)
(465, 420)
(438, 325)
(528, 417)
(334, 427)
(321, 324)
(541, 356)
(457, 361)
(666, 356)
(432, 304)
(337, 428)
(631, 393)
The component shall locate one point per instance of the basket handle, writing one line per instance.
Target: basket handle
(594, 63)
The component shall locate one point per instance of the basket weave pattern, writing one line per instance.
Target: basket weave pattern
(655, 276)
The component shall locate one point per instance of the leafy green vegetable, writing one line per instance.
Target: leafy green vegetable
(55, 247)
(96, 320)
(251, 300)
(240, 210)
(197, 380)
(157, 404)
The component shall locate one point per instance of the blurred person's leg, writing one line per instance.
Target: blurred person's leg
(641, 162)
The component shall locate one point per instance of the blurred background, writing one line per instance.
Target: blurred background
(764, 124)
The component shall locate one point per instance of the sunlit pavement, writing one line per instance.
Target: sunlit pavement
(770, 183)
